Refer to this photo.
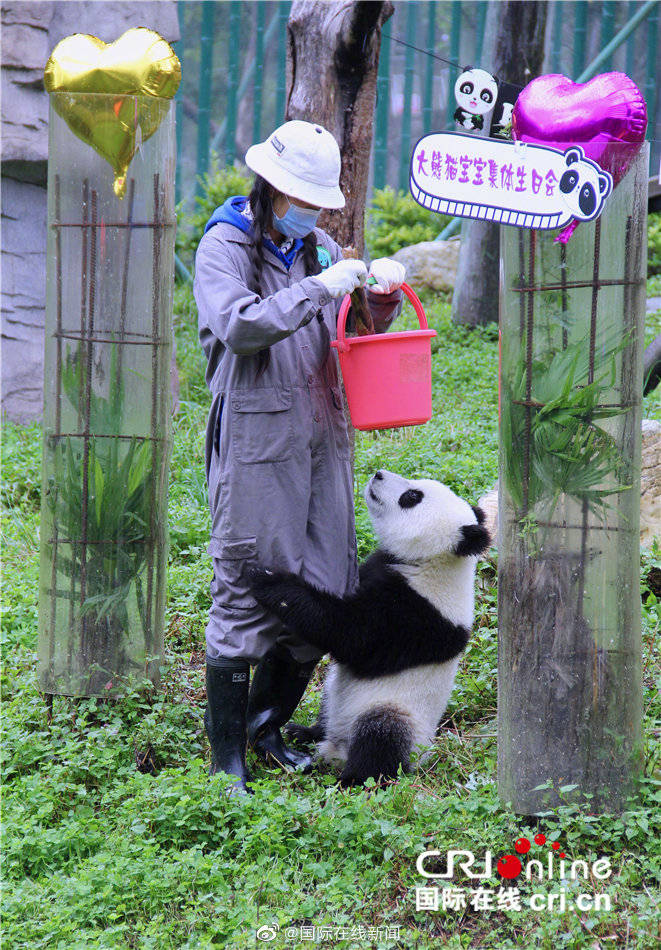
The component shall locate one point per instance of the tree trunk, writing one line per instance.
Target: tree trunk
(517, 54)
(332, 62)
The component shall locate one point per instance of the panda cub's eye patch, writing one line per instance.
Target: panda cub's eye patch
(466, 88)
(486, 96)
(411, 498)
(568, 182)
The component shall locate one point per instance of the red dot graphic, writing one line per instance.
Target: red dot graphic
(562, 854)
(540, 839)
(522, 845)
(555, 845)
(509, 866)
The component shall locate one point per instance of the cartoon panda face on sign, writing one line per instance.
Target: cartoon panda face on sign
(584, 187)
(475, 91)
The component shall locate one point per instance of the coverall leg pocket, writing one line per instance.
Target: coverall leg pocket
(238, 626)
(231, 559)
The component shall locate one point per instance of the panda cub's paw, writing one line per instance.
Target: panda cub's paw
(271, 588)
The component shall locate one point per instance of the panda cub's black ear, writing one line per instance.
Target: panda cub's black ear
(475, 539)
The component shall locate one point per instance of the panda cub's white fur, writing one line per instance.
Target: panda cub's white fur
(396, 641)
(419, 696)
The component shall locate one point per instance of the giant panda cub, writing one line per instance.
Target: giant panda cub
(396, 641)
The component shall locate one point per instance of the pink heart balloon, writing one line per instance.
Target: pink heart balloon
(606, 116)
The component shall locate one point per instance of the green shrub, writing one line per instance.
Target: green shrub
(654, 244)
(217, 186)
(395, 220)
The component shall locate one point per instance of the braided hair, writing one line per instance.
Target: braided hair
(261, 205)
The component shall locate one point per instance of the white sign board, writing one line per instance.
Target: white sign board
(525, 185)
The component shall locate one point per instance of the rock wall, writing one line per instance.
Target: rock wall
(430, 264)
(30, 30)
(650, 483)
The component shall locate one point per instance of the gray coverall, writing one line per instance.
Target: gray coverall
(277, 448)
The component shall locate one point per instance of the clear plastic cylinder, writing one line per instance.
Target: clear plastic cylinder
(569, 667)
(107, 403)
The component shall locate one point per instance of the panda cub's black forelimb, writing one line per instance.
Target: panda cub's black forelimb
(309, 735)
(313, 614)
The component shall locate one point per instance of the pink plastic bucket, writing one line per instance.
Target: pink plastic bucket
(387, 376)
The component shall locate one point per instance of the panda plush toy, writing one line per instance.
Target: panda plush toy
(475, 91)
(484, 101)
(396, 641)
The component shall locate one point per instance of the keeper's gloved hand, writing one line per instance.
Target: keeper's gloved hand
(343, 277)
(388, 275)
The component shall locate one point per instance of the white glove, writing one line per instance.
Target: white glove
(343, 277)
(388, 274)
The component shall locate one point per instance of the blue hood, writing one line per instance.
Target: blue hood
(230, 213)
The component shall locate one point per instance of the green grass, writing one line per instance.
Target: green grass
(98, 854)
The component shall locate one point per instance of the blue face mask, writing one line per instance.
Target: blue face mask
(296, 222)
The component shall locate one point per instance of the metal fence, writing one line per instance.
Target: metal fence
(234, 54)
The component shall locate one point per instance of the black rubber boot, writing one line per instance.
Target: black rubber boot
(278, 683)
(225, 717)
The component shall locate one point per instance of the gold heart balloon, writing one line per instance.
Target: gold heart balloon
(111, 95)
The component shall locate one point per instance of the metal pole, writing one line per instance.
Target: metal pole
(181, 269)
(405, 141)
(580, 33)
(382, 113)
(479, 30)
(618, 39)
(234, 40)
(455, 42)
(651, 90)
(631, 44)
(247, 79)
(204, 102)
(429, 76)
(607, 28)
(179, 100)
(281, 21)
(259, 71)
(556, 42)
(450, 229)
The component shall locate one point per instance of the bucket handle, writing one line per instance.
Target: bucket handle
(342, 344)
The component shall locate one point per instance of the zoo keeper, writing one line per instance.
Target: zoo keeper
(268, 286)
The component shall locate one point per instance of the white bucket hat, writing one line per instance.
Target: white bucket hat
(300, 159)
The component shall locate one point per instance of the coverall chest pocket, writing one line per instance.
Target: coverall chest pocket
(262, 425)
